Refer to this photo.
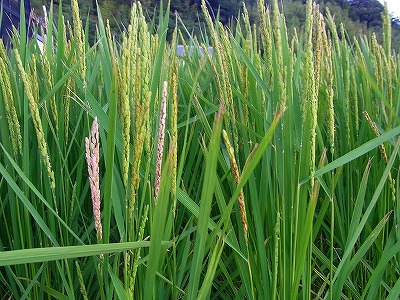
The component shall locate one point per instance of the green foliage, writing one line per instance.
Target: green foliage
(368, 11)
(312, 122)
(358, 16)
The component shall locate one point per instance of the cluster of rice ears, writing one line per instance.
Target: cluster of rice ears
(267, 169)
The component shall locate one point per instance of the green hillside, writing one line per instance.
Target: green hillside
(359, 17)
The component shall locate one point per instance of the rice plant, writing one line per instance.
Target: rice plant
(267, 169)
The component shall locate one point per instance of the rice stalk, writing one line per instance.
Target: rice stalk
(354, 103)
(137, 257)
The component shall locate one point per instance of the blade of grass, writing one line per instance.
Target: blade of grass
(210, 273)
(360, 227)
(359, 151)
(25, 256)
(118, 285)
(378, 272)
(205, 207)
(251, 163)
(350, 266)
(109, 159)
(32, 210)
(26, 202)
(395, 292)
(158, 227)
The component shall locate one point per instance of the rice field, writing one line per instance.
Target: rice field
(267, 169)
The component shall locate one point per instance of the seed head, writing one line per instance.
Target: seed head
(92, 159)
(161, 135)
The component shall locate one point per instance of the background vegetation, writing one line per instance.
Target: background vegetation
(269, 169)
(358, 16)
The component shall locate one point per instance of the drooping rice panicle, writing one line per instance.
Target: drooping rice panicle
(276, 27)
(236, 176)
(138, 131)
(319, 45)
(346, 80)
(66, 104)
(109, 37)
(387, 31)
(124, 107)
(330, 101)
(244, 84)
(81, 282)
(387, 49)
(227, 45)
(333, 30)
(266, 31)
(310, 96)
(15, 38)
(226, 64)
(78, 35)
(33, 106)
(280, 72)
(220, 54)
(382, 148)
(69, 86)
(141, 99)
(149, 47)
(73, 202)
(11, 113)
(33, 76)
(377, 64)
(49, 85)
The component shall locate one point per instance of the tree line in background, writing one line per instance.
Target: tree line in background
(358, 16)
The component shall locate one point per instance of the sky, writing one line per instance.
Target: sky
(394, 7)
